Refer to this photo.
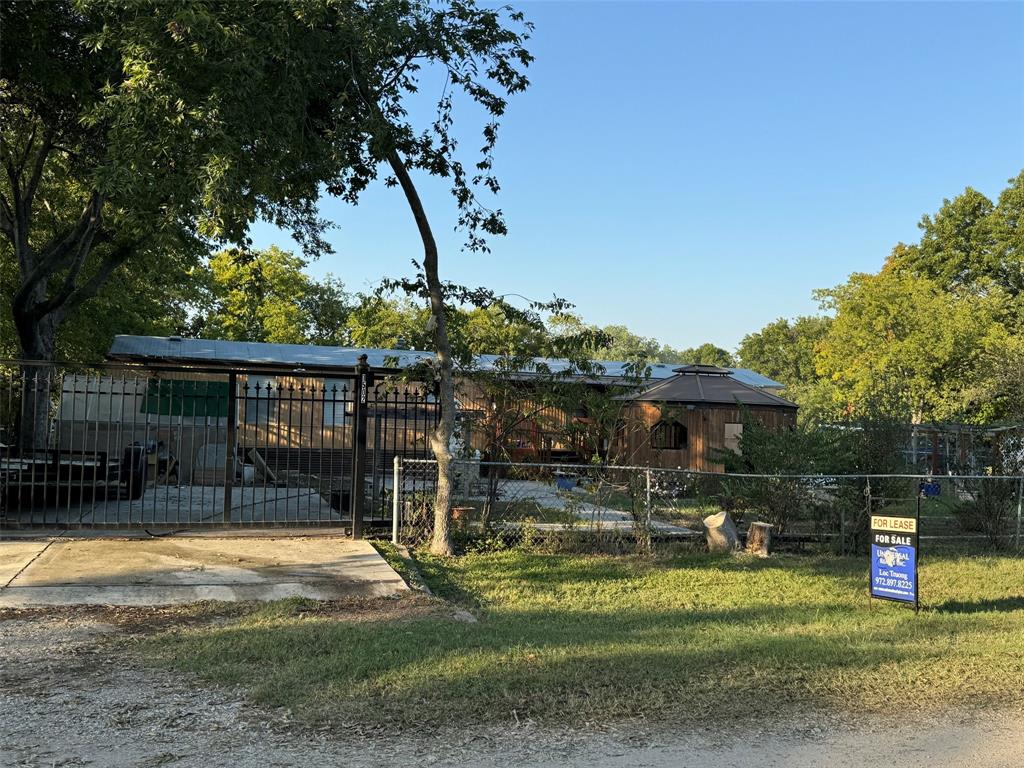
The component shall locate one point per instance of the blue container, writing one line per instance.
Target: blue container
(565, 483)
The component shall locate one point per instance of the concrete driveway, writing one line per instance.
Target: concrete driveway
(185, 569)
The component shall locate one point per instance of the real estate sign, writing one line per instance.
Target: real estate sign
(894, 558)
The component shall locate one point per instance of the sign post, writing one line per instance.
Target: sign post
(894, 558)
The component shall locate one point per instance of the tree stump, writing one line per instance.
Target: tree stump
(721, 533)
(461, 515)
(759, 539)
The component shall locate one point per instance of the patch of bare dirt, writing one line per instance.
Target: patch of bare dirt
(141, 620)
(70, 696)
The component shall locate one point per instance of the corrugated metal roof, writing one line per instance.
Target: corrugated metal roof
(217, 352)
(698, 388)
(240, 353)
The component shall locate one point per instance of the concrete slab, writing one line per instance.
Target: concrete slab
(595, 516)
(15, 555)
(187, 505)
(171, 570)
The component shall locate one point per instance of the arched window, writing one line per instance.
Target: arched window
(668, 435)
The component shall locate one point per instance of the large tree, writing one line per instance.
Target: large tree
(970, 243)
(142, 131)
(164, 126)
(786, 350)
(266, 295)
(907, 346)
(473, 55)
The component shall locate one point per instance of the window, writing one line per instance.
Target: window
(733, 433)
(261, 396)
(668, 436)
(335, 402)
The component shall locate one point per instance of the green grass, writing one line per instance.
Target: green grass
(573, 639)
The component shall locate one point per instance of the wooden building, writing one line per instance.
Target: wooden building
(679, 422)
(292, 404)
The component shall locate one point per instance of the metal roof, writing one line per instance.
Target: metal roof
(704, 387)
(710, 370)
(217, 352)
(343, 360)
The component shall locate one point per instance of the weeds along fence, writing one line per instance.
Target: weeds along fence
(607, 508)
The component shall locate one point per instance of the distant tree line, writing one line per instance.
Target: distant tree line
(936, 334)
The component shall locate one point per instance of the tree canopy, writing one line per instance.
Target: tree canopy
(267, 296)
(145, 131)
(907, 344)
(936, 335)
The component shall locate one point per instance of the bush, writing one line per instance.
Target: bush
(990, 507)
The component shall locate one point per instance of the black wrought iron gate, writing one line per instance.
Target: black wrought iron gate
(163, 447)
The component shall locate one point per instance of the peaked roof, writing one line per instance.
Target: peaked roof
(695, 386)
(342, 360)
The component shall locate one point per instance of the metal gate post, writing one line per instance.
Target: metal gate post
(229, 452)
(396, 483)
(364, 381)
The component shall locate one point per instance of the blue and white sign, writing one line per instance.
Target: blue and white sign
(894, 558)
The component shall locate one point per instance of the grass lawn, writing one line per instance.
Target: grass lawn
(572, 639)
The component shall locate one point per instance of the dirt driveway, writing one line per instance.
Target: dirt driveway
(66, 700)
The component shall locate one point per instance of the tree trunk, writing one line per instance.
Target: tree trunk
(441, 437)
(721, 533)
(759, 539)
(37, 339)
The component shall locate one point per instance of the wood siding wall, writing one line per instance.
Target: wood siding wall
(705, 431)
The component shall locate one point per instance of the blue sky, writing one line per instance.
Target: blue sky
(695, 170)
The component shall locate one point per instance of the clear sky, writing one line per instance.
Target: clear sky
(695, 170)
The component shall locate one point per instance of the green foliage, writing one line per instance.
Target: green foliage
(705, 354)
(786, 351)
(141, 132)
(908, 344)
(138, 132)
(991, 504)
(872, 445)
(621, 344)
(803, 449)
(970, 243)
(935, 335)
(266, 296)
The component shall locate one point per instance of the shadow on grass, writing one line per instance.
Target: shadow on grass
(570, 639)
(577, 665)
(1002, 604)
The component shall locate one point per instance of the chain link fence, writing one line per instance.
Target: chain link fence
(621, 509)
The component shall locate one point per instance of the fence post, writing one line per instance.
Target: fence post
(647, 474)
(1020, 501)
(842, 530)
(396, 485)
(364, 381)
(867, 495)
